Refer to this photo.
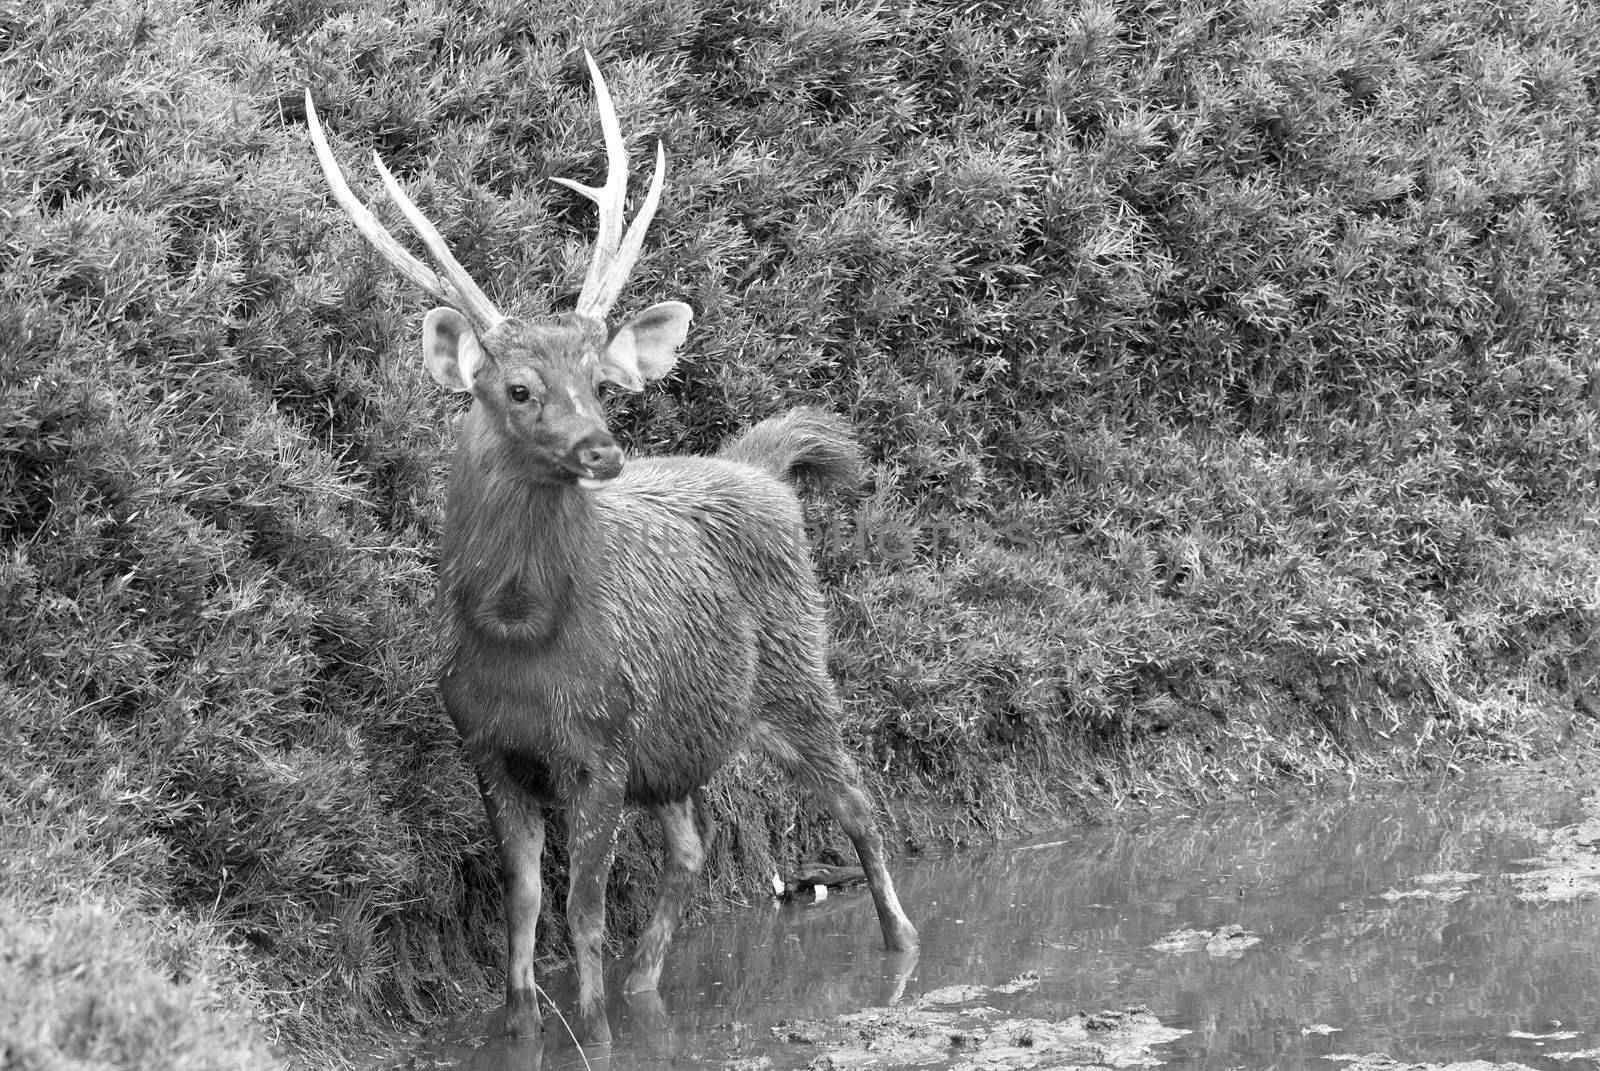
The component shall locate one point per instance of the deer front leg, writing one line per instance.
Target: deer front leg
(595, 817)
(518, 824)
(686, 827)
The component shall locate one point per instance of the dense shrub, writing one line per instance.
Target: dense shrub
(1229, 374)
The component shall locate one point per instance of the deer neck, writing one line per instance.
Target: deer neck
(519, 553)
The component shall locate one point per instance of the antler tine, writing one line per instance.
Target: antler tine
(395, 253)
(472, 301)
(455, 287)
(614, 252)
(641, 223)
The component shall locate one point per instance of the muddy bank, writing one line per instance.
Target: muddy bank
(1568, 868)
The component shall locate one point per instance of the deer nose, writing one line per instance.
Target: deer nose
(599, 457)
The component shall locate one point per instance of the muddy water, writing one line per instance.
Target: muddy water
(1272, 936)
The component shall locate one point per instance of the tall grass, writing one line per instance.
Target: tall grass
(1229, 375)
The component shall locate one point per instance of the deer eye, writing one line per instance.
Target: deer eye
(518, 394)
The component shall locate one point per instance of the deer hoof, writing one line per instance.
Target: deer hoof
(522, 1014)
(900, 938)
(593, 1029)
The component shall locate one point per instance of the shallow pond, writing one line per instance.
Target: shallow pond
(1274, 936)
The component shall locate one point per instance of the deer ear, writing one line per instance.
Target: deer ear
(645, 348)
(450, 349)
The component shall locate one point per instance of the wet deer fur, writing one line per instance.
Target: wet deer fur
(616, 632)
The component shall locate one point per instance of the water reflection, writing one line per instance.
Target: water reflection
(1340, 968)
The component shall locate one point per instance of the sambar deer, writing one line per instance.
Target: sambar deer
(616, 632)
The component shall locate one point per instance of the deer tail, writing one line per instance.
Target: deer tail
(803, 446)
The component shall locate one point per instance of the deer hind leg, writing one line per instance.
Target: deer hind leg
(816, 757)
(518, 824)
(686, 825)
(594, 819)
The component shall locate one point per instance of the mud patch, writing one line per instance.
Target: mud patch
(965, 994)
(1224, 941)
(1556, 1035)
(1379, 1062)
(1446, 887)
(1569, 868)
(933, 1033)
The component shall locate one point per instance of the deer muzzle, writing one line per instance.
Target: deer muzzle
(598, 457)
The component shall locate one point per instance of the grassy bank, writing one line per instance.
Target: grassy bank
(1229, 378)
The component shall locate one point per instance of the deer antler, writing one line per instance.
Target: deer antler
(614, 252)
(450, 284)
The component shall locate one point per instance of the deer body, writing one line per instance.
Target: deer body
(616, 632)
(674, 605)
(618, 645)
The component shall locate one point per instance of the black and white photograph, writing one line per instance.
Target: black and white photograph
(799, 535)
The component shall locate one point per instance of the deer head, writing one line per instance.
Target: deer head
(534, 382)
